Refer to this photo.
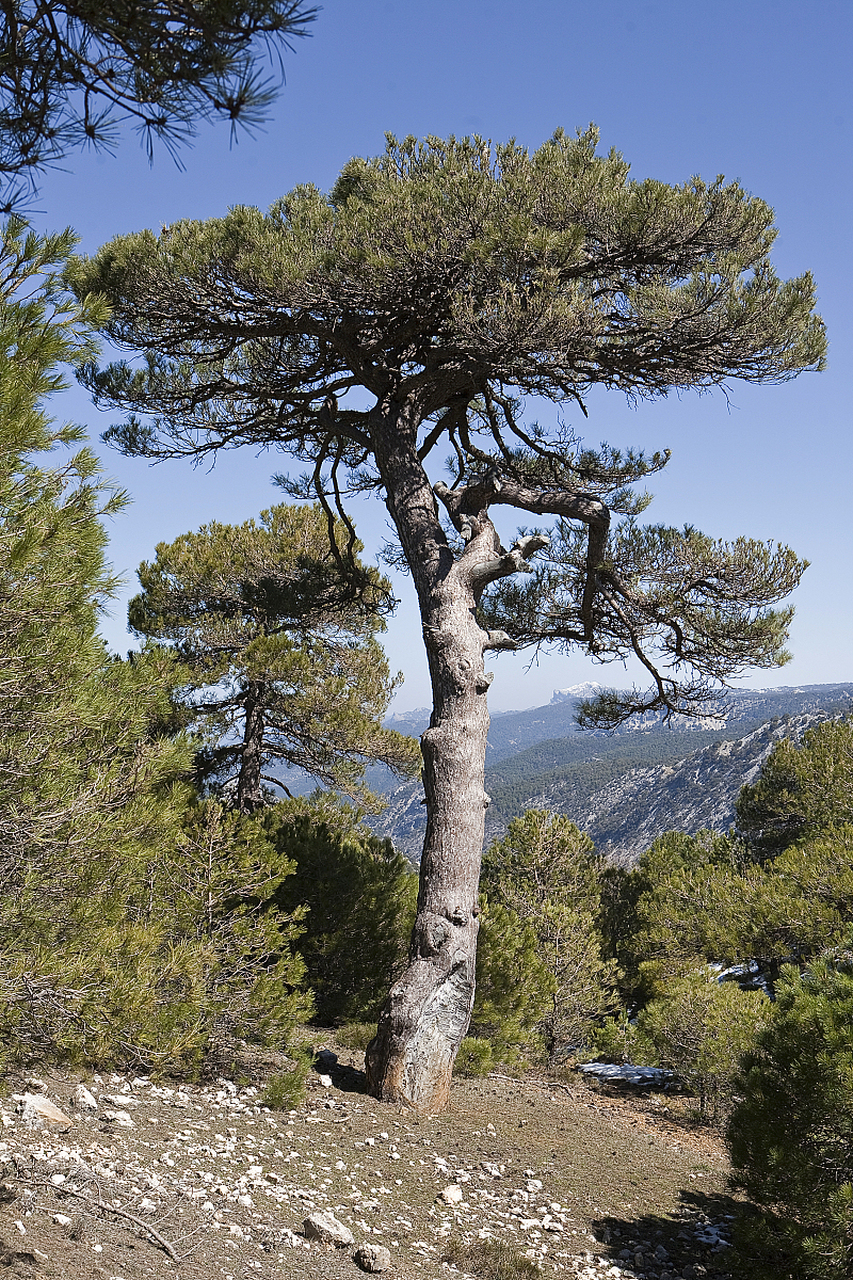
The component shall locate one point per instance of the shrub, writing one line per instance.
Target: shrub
(360, 894)
(476, 1057)
(542, 944)
(699, 1029)
(791, 1133)
(175, 960)
(514, 988)
(286, 1089)
(355, 1035)
(490, 1260)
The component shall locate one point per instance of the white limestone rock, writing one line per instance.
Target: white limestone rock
(84, 1099)
(451, 1195)
(324, 1226)
(38, 1110)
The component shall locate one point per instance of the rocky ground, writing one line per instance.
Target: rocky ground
(134, 1178)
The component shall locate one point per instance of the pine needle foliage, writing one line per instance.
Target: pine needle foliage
(358, 894)
(278, 648)
(540, 967)
(124, 933)
(803, 787)
(791, 1135)
(451, 279)
(70, 75)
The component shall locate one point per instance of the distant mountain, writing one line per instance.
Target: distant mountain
(627, 787)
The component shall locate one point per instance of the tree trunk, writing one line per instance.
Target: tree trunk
(428, 1010)
(249, 795)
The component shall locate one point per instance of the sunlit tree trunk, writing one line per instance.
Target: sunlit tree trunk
(429, 1008)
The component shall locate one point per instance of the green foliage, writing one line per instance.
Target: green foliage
(543, 273)
(360, 897)
(791, 1134)
(803, 787)
(699, 1029)
(355, 1035)
(698, 899)
(657, 914)
(620, 1040)
(277, 641)
(540, 965)
(69, 75)
(214, 886)
(287, 1089)
(80, 748)
(515, 989)
(169, 965)
(477, 1056)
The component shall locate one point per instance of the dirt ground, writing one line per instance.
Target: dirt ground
(192, 1181)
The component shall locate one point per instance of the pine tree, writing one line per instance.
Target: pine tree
(279, 651)
(359, 893)
(407, 316)
(544, 877)
(69, 75)
(791, 1135)
(803, 787)
(81, 752)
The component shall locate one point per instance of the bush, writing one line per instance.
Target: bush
(490, 1260)
(514, 988)
(620, 1040)
(355, 1035)
(791, 1133)
(476, 1057)
(175, 960)
(360, 894)
(541, 975)
(287, 1089)
(699, 1029)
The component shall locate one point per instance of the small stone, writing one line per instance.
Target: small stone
(326, 1082)
(324, 1226)
(62, 1219)
(451, 1194)
(120, 1118)
(372, 1257)
(37, 1109)
(83, 1098)
(20, 1226)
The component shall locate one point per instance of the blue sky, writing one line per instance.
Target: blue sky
(757, 90)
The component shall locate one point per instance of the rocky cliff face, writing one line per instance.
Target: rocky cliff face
(692, 790)
(624, 817)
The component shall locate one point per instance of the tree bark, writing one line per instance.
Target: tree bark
(249, 795)
(428, 1010)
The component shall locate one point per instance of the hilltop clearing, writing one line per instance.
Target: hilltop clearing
(200, 1181)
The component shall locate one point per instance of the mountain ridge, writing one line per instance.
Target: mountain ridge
(602, 780)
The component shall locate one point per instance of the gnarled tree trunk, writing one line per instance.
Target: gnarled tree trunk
(428, 1010)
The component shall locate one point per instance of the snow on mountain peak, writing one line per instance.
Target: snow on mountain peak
(588, 689)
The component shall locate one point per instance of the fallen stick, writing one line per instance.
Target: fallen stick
(131, 1217)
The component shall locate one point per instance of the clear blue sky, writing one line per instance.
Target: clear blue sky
(758, 90)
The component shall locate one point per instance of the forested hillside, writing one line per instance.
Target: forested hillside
(627, 787)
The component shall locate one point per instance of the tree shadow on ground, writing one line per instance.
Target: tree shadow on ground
(693, 1241)
(346, 1078)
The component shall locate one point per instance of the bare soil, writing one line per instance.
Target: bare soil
(208, 1182)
